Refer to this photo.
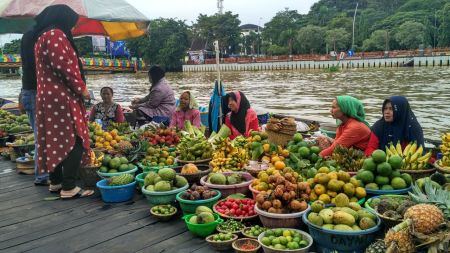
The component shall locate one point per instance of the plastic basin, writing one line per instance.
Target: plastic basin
(114, 194)
(341, 241)
(140, 179)
(285, 220)
(202, 230)
(253, 191)
(147, 169)
(159, 198)
(108, 175)
(227, 190)
(390, 192)
(331, 134)
(189, 206)
(305, 236)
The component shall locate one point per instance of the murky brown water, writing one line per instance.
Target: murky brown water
(301, 94)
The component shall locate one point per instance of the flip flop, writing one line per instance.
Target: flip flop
(80, 194)
(55, 188)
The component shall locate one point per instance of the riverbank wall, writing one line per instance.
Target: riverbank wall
(415, 61)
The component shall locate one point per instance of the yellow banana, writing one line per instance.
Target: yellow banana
(388, 152)
(414, 158)
(425, 157)
(414, 166)
(405, 152)
(392, 149)
(398, 148)
(418, 152)
(413, 148)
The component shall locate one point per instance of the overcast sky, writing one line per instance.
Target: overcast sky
(255, 12)
(250, 11)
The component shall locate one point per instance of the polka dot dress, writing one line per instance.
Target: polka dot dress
(59, 104)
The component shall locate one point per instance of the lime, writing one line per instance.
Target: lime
(278, 232)
(286, 233)
(279, 246)
(266, 241)
(276, 241)
(283, 240)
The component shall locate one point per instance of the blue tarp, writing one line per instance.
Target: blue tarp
(215, 107)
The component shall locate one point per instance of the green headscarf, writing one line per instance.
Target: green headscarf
(192, 101)
(351, 107)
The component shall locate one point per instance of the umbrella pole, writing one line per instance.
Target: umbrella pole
(219, 84)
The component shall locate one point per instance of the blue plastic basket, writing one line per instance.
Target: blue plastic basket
(263, 118)
(341, 241)
(115, 194)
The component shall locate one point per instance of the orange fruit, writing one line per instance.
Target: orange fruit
(279, 165)
(266, 148)
(285, 153)
(275, 159)
(265, 158)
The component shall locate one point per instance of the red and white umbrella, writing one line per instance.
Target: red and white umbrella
(116, 19)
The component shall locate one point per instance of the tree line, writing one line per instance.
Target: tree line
(379, 25)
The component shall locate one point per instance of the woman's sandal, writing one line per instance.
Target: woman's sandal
(80, 194)
(54, 188)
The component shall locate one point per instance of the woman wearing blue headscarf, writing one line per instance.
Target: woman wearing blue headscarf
(397, 124)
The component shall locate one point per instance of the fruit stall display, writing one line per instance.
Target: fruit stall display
(444, 163)
(158, 157)
(348, 159)
(227, 157)
(194, 147)
(116, 164)
(166, 137)
(380, 173)
(330, 186)
(12, 124)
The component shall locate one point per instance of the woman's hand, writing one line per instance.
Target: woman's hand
(86, 95)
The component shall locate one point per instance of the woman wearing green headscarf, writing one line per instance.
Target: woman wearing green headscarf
(353, 129)
(187, 110)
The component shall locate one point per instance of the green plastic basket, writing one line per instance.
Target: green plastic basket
(202, 230)
(189, 206)
(147, 169)
(140, 179)
(108, 175)
(159, 198)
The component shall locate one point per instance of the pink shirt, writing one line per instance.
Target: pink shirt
(251, 123)
(179, 117)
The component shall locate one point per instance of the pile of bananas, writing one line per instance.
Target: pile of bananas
(284, 125)
(412, 155)
(96, 159)
(227, 157)
(445, 150)
(349, 159)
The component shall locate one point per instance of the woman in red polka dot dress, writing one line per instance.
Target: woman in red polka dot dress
(62, 133)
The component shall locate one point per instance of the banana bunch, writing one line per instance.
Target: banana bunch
(96, 159)
(350, 159)
(445, 150)
(412, 155)
(227, 157)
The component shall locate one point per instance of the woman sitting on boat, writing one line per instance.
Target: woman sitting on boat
(353, 129)
(107, 111)
(159, 102)
(397, 124)
(242, 119)
(187, 110)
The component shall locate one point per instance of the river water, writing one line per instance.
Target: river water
(306, 94)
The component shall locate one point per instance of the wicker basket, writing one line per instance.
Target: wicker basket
(416, 174)
(440, 169)
(194, 177)
(24, 166)
(221, 245)
(183, 162)
(240, 242)
(89, 176)
(279, 138)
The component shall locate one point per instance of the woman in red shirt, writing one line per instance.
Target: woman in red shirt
(353, 129)
(242, 119)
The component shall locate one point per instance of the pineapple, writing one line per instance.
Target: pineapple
(376, 247)
(436, 196)
(399, 239)
(426, 218)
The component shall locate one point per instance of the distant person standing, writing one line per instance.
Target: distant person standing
(62, 132)
(28, 94)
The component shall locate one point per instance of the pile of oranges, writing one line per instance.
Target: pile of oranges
(104, 139)
(276, 158)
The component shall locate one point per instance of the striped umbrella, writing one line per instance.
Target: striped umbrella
(116, 19)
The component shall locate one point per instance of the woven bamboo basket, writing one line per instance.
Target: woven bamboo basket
(89, 176)
(279, 138)
(440, 169)
(25, 166)
(416, 174)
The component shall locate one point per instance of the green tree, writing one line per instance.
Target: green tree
(379, 40)
(338, 39)
(281, 29)
(311, 39)
(342, 21)
(221, 27)
(12, 47)
(166, 44)
(410, 35)
(250, 43)
(277, 50)
(84, 45)
(443, 32)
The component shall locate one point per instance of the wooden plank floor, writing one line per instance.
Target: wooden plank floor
(28, 223)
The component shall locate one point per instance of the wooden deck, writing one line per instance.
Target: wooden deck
(28, 223)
